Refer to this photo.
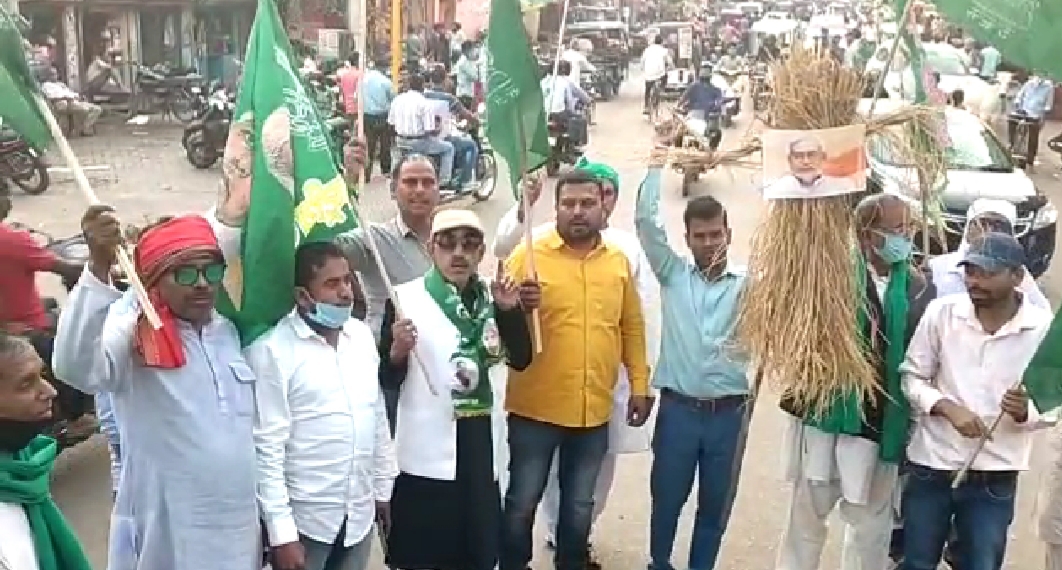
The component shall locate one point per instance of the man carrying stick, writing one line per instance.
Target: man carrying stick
(962, 376)
(849, 455)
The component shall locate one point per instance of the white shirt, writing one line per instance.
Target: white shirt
(579, 63)
(951, 356)
(948, 278)
(412, 115)
(564, 98)
(321, 433)
(655, 60)
(17, 551)
(57, 90)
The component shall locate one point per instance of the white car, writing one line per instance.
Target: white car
(978, 166)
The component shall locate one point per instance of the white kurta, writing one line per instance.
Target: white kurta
(186, 500)
(17, 551)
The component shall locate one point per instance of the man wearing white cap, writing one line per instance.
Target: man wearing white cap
(446, 506)
(984, 215)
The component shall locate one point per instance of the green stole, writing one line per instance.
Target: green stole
(479, 346)
(25, 480)
(845, 415)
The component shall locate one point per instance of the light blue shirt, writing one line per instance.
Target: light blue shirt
(990, 60)
(697, 355)
(378, 93)
(1036, 97)
(467, 71)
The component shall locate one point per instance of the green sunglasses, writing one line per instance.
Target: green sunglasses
(188, 275)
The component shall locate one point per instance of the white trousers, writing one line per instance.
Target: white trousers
(551, 498)
(870, 524)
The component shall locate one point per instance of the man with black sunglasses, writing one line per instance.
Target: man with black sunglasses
(183, 393)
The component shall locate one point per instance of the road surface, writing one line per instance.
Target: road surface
(146, 174)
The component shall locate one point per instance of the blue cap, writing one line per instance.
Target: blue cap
(994, 251)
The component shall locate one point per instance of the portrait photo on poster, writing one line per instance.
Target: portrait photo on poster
(814, 163)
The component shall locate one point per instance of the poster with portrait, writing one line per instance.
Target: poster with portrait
(814, 163)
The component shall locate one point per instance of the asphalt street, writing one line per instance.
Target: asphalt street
(144, 174)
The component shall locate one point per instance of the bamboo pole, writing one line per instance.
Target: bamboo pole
(525, 205)
(124, 260)
(396, 40)
(960, 476)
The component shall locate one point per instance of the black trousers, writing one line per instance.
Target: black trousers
(1034, 136)
(379, 138)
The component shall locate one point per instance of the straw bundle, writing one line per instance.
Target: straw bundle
(799, 319)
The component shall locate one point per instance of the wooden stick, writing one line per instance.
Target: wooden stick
(529, 242)
(124, 260)
(961, 475)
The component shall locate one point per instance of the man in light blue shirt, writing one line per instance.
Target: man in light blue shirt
(990, 60)
(1034, 101)
(466, 73)
(702, 380)
(378, 92)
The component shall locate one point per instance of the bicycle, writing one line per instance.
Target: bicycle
(654, 100)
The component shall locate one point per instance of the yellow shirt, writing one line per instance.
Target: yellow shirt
(591, 322)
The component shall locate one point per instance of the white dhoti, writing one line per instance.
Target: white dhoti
(829, 471)
(1049, 502)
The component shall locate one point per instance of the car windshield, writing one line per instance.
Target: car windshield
(971, 146)
(945, 62)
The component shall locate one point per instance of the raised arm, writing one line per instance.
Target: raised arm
(356, 249)
(510, 230)
(84, 356)
(662, 258)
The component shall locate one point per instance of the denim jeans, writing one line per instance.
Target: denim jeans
(434, 147)
(982, 508)
(692, 440)
(322, 556)
(531, 447)
(465, 156)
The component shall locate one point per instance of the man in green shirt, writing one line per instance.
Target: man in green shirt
(990, 60)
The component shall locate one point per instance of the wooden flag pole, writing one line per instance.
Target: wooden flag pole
(529, 242)
(124, 260)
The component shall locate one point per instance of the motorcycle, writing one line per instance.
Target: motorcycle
(562, 149)
(485, 176)
(204, 139)
(161, 90)
(22, 164)
(759, 87)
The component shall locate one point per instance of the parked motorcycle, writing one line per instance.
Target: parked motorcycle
(204, 139)
(22, 164)
(486, 172)
(161, 90)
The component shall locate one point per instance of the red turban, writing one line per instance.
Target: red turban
(160, 249)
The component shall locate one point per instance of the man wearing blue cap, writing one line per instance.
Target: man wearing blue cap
(962, 370)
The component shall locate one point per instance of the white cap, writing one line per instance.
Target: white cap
(452, 219)
(1003, 208)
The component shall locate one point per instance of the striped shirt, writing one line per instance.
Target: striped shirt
(412, 115)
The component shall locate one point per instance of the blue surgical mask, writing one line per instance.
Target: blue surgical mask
(329, 316)
(896, 249)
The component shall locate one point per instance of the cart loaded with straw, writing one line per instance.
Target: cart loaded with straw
(799, 321)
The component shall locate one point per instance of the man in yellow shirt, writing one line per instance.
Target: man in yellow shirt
(590, 319)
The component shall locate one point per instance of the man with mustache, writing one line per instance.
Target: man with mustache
(701, 378)
(962, 370)
(454, 329)
(326, 463)
(622, 437)
(183, 393)
(590, 320)
(35, 534)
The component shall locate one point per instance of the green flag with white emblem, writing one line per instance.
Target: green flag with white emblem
(18, 88)
(281, 180)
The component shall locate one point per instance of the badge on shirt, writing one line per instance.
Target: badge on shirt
(466, 374)
(492, 338)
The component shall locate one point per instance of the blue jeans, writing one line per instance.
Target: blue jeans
(322, 556)
(691, 439)
(531, 447)
(434, 147)
(465, 156)
(982, 508)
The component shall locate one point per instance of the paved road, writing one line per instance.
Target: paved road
(151, 177)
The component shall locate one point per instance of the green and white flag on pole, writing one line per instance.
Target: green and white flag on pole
(516, 115)
(1026, 32)
(281, 180)
(18, 88)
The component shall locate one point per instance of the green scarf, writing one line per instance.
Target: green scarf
(599, 170)
(479, 346)
(845, 416)
(24, 479)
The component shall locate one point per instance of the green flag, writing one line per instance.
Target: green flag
(1043, 376)
(18, 105)
(1026, 32)
(516, 117)
(279, 155)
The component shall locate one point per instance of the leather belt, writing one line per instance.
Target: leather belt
(705, 404)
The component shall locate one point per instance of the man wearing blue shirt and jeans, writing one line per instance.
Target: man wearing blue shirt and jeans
(377, 97)
(1034, 102)
(702, 382)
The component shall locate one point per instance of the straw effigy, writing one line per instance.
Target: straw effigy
(799, 319)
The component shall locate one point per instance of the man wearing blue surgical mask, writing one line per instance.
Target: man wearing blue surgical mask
(850, 455)
(326, 462)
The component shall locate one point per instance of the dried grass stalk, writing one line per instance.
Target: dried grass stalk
(799, 318)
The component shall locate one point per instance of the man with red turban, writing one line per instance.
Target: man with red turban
(183, 395)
